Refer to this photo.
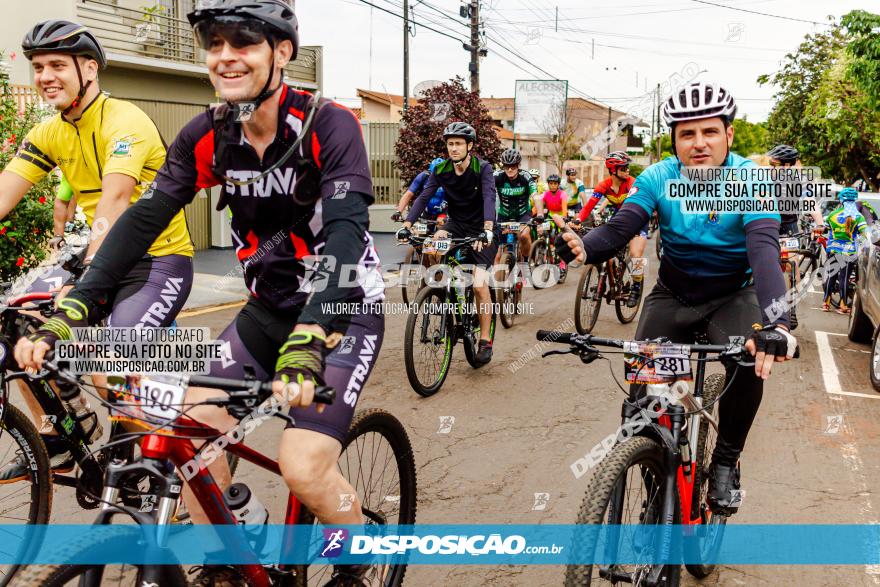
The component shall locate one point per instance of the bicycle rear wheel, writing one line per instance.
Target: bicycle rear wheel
(427, 344)
(627, 487)
(589, 299)
(387, 497)
(706, 438)
(472, 333)
(537, 258)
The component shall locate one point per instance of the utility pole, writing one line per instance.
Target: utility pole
(405, 55)
(608, 148)
(475, 46)
(657, 96)
(556, 28)
(653, 122)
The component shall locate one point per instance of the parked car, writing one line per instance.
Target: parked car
(864, 320)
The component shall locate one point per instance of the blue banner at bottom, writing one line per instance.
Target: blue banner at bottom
(431, 544)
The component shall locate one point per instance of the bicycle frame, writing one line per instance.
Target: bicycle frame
(158, 449)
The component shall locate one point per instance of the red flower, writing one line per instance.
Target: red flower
(12, 55)
(42, 199)
(3, 230)
(19, 262)
(12, 138)
(36, 231)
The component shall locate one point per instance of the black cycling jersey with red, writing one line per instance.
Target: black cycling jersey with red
(280, 242)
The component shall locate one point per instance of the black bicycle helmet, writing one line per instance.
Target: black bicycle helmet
(62, 36)
(554, 177)
(277, 15)
(460, 129)
(511, 157)
(784, 154)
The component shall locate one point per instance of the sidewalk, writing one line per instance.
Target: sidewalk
(218, 279)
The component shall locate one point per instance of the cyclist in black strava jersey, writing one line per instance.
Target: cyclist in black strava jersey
(470, 197)
(515, 189)
(299, 220)
(719, 274)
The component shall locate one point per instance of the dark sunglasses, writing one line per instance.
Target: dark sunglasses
(238, 32)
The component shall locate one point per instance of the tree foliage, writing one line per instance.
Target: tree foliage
(25, 231)
(864, 49)
(824, 110)
(421, 131)
(563, 131)
(750, 138)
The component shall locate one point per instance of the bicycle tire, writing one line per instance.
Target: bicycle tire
(62, 574)
(407, 291)
(472, 340)
(625, 314)
(537, 257)
(426, 298)
(377, 420)
(505, 293)
(24, 434)
(585, 315)
(608, 475)
(713, 386)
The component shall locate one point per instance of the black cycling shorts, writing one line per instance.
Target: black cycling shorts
(484, 258)
(258, 332)
(151, 295)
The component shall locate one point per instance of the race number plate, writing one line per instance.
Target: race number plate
(511, 226)
(792, 243)
(442, 245)
(420, 228)
(657, 363)
(547, 225)
(161, 401)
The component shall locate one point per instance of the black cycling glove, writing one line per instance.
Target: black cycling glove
(775, 341)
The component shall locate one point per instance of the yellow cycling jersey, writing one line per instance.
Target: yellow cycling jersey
(111, 136)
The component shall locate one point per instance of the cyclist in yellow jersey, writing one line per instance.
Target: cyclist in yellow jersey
(109, 151)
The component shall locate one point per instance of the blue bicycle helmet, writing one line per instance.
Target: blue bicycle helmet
(848, 195)
(435, 163)
(437, 203)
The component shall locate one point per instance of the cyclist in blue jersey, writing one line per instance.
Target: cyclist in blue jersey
(719, 273)
(437, 203)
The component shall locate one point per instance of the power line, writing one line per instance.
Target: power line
(760, 13)
(400, 16)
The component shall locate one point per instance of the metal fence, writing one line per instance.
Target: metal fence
(380, 138)
(161, 31)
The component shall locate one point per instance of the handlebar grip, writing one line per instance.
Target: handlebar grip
(554, 336)
(325, 395)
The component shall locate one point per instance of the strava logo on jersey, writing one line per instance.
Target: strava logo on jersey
(279, 182)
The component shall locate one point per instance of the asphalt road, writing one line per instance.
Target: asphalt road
(808, 459)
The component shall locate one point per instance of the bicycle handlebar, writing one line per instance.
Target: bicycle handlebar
(242, 390)
(586, 341)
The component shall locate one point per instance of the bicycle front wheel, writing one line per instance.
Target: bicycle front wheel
(411, 284)
(706, 439)
(505, 292)
(627, 487)
(625, 314)
(377, 460)
(427, 344)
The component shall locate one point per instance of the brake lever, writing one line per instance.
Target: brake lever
(570, 351)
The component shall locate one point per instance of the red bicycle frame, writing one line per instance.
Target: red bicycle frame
(181, 451)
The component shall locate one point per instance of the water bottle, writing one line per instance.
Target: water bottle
(249, 512)
(77, 405)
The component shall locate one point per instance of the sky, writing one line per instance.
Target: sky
(612, 52)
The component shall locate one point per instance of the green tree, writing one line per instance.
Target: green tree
(665, 146)
(421, 131)
(26, 230)
(823, 111)
(749, 138)
(864, 49)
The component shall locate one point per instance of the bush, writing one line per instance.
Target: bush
(421, 131)
(26, 230)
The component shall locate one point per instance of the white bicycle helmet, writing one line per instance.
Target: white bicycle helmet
(699, 100)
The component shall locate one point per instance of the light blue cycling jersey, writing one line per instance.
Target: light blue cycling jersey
(700, 245)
